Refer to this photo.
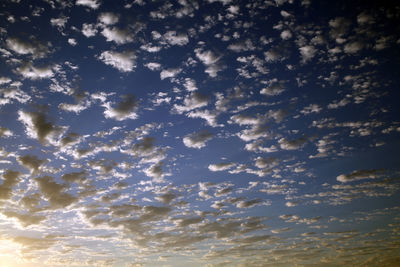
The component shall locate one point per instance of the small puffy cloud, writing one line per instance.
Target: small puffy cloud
(4, 132)
(166, 198)
(155, 171)
(74, 177)
(169, 73)
(93, 4)
(76, 108)
(122, 61)
(38, 127)
(358, 175)
(55, 192)
(153, 66)
(119, 36)
(108, 18)
(339, 27)
(245, 45)
(248, 203)
(273, 90)
(291, 203)
(72, 41)
(126, 109)
(190, 85)
(10, 178)
(89, 30)
(193, 101)
(221, 166)
(209, 116)
(33, 47)
(29, 71)
(292, 144)
(198, 139)
(307, 53)
(4, 80)
(59, 22)
(31, 162)
(353, 47)
(266, 162)
(10, 94)
(286, 34)
(210, 60)
(174, 38)
(312, 108)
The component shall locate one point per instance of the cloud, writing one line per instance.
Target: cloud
(4, 132)
(10, 179)
(248, 203)
(221, 166)
(269, 162)
(37, 127)
(126, 109)
(153, 66)
(31, 162)
(211, 61)
(292, 144)
(169, 73)
(209, 116)
(119, 36)
(174, 38)
(93, 4)
(25, 219)
(54, 192)
(291, 203)
(89, 30)
(155, 171)
(122, 61)
(198, 139)
(358, 175)
(192, 101)
(27, 70)
(33, 47)
(10, 94)
(307, 53)
(59, 22)
(108, 18)
(273, 90)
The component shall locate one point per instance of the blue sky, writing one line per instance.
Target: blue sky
(209, 133)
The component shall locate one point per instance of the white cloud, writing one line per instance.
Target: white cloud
(210, 60)
(126, 109)
(174, 38)
(108, 18)
(292, 144)
(94, 4)
(273, 90)
(35, 48)
(29, 71)
(153, 66)
(286, 35)
(123, 61)
(169, 73)
(89, 30)
(59, 22)
(221, 166)
(307, 53)
(193, 101)
(197, 140)
(358, 175)
(117, 35)
(38, 127)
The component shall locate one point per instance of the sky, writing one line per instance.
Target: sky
(199, 133)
